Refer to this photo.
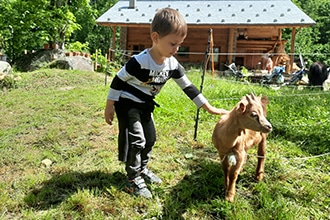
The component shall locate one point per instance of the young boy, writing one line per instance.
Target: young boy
(132, 93)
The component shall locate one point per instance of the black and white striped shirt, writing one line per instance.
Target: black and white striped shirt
(142, 73)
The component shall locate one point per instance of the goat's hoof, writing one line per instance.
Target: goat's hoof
(259, 177)
(230, 198)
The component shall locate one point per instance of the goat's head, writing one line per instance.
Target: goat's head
(252, 111)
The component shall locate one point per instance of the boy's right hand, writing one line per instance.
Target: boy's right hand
(109, 111)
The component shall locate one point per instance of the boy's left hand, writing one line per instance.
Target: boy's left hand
(213, 110)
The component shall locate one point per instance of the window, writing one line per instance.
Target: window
(138, 48)
(183, 52)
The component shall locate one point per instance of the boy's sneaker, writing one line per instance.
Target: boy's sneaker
(138, 187)
(150, 177)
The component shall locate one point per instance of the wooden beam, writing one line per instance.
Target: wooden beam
(113, 46)
(258, 42)
(254, 48)
(293, 40)
(230, 45)
(280, 34)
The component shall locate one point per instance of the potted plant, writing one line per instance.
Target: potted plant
(85, 49)
(68, 53)
(79, 48)
(49, 42)
(45, 40)
(54, 45)
(76, 47)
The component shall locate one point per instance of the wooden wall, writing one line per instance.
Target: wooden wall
(260, 40)
(138, 39)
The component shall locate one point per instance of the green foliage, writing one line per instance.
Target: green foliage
(97, 36)
(7, 81)
(30, 24)
(100, 59)
(313, 41)
(78, 47)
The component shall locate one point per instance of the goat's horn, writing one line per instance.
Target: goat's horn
(253, 96)
(248, 97)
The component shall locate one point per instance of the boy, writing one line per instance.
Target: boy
(132, 93)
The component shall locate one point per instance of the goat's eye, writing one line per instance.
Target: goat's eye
(254, 114)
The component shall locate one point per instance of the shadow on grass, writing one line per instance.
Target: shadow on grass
(200, 188)
(60, 187)
(202, 191)
(314, 141)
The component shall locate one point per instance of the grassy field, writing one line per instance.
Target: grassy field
(58, 158)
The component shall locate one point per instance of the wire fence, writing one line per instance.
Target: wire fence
(128, 53)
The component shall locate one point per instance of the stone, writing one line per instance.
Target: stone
(5, 67)
(46, 162)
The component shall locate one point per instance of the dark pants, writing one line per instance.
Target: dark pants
(141, 139)
(137, 136)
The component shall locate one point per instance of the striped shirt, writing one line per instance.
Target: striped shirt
(142, 73)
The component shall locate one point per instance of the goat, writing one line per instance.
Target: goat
(235, 133)
(318, 73)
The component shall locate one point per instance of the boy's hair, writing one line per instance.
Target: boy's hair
(169, 21)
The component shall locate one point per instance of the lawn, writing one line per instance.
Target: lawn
(58, 158)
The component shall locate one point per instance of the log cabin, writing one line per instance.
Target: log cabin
(242, 30)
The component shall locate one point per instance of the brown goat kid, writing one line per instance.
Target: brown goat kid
(235, 133)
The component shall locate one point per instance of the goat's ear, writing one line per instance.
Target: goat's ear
(264, 100)
(242, 107)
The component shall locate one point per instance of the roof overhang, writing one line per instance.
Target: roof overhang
(210, 13)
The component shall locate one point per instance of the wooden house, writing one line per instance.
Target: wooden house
(242, 30)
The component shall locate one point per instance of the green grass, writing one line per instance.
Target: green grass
(58, 115)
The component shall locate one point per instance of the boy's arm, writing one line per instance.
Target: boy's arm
(213, 110)
(109, 111)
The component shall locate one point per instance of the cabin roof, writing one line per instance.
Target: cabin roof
(210, 12)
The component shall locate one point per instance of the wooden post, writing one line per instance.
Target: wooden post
(95, 63)
(113, 41)
(230, 45)
(293, 39)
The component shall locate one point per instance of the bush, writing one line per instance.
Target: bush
(100, 60)
(7, 81)
(78, 47)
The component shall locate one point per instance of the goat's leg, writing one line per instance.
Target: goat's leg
(244, 162)
(259, 175)
(233, 175)
(225, 168)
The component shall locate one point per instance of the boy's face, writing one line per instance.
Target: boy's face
(168, 45)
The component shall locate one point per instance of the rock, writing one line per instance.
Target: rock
(38, 59)
(46, 162)
(73, 63)
(52, 59)
(5, 67)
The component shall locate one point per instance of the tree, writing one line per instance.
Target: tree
(313, 41)
(29, 24)
(5, 30)
(97, 36)
(26, 25)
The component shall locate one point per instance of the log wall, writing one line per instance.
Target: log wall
(261, 40)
